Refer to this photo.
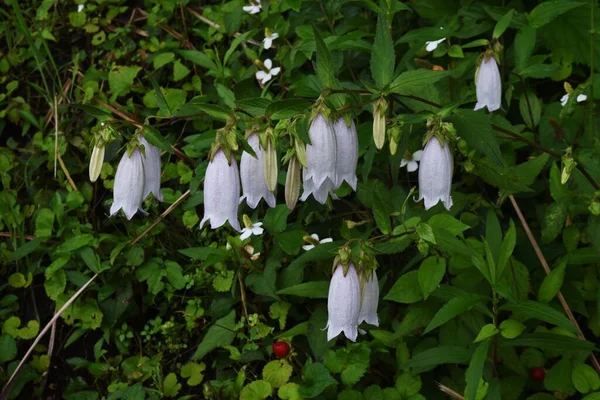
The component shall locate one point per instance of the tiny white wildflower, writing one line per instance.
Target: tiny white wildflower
(255, 229)
(253, 8)
(433, 44)
(80, 8)
(269, 37)
(308, 247)
(412, 162)
(265, 76)
(581, 97)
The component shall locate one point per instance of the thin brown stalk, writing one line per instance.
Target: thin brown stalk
(450, 392)
(546, 267)
(8, 234)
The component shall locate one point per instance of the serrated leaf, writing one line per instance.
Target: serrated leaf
(383, 57)
(324, 66)
(257, 390)
(220, 334)
(415, 80)
(277, 372)
(431, 272)
(548, 10)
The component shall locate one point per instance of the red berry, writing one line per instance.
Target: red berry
(281, 349)
(537, 374)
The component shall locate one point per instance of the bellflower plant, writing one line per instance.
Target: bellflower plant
(221, 192)
(369, 301)
(343, 303)
(346, 154)
(435, 174)
(254, 186)
(488, 84)
(152, 170)
(129, 184)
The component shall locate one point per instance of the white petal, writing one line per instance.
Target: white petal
(152, 170)
(412, 166)
(274, 35)
(128, 187)
(221, 192)
(403, 162)
(581, 97)
(254, 186)
(260, 75)
(343, 304)
(267, 42)
(257, 224)
(246, 233)
(326, 240)
(435, 174)
(432, 45)
(308, 247)
(370, 301)
(268, 63)
(564, 99)
(488, 85)
(315, 237)
(275, 71)
(257, 231)
(266, 78)
(417, 155)
(80, 7)
(346, 153)
(321, 153)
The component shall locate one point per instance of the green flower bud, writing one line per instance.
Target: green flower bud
(379, 110)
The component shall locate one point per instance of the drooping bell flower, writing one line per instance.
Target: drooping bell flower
(128, 187)
(369, 301)
(152, 169)
(221, 192)
(488, 84)
(320, 193)
(435, 174)
(254, 186)
(346, 154)
(343, 303)
(321, 153)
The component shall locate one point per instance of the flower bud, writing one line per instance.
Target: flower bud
(128, 188)
(270, 166)
(252, 171)
(301, 152)
(152, 169)
(292, 183)
(343, 303)
(435, 174)
(379, 110)
(96, 160)
(346, 154)
(221, 192)
(488, 84)
(369, 301)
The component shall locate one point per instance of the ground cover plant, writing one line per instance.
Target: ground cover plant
(290, 199)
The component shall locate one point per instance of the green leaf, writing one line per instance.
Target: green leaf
(447, 222)
(381, 213)
(175, 275)
(288, 108)
(540, 311)
(475, 371)
(234, 44)
(506, 250)
(510, 328)
(193, 372)
(553, 222)
(431, 272)
(415, 80)
(493, 233)
(531, 109)
(290, 391)
(120, 79)
(383, 56)
(257, 390)
(524, 45)
(220, 334)
(44, 223)
(584, 377)
(277, 372)
(548, 10)
(324, 67)
(198, 58)
(486, 331)
(316, 378)
(426, 233)
(476, 128)
(315, 290)
(275, 219)
(406, 289)
(558, 379)
(170, 385)
(454, 307)
(503, 24)
(28, 248)
(552, 283)
(8, 348)
(162, 59)
(591, 396)
(439, 355)
(456, 51)
(408, 385)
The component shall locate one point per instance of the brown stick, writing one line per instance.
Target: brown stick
(546, 267)
(450, 392)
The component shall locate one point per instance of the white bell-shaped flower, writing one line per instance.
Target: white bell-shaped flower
(343, 303)
(221, 192)
(320, 193)
(488, 85)
(321, 152)
(128, 187)
(346, 153)
(435, 174)
(254, 186)
(152, 170)
(370, 301)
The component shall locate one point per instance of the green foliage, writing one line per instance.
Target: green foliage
(180, 312)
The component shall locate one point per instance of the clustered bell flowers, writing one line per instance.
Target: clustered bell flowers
(138, 175)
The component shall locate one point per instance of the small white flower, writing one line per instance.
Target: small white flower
(269, 37)
(250, 250)
(255, 230)
(253, 8)
(129, 185)
(488, 85)
(343, 303)
(435, 174)
(316, 238)
(412, 163)
(80, 8)
(346, 140)
(265, 76)
(432, 45)
(370, 301)
(581, 97)
(564, 99)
